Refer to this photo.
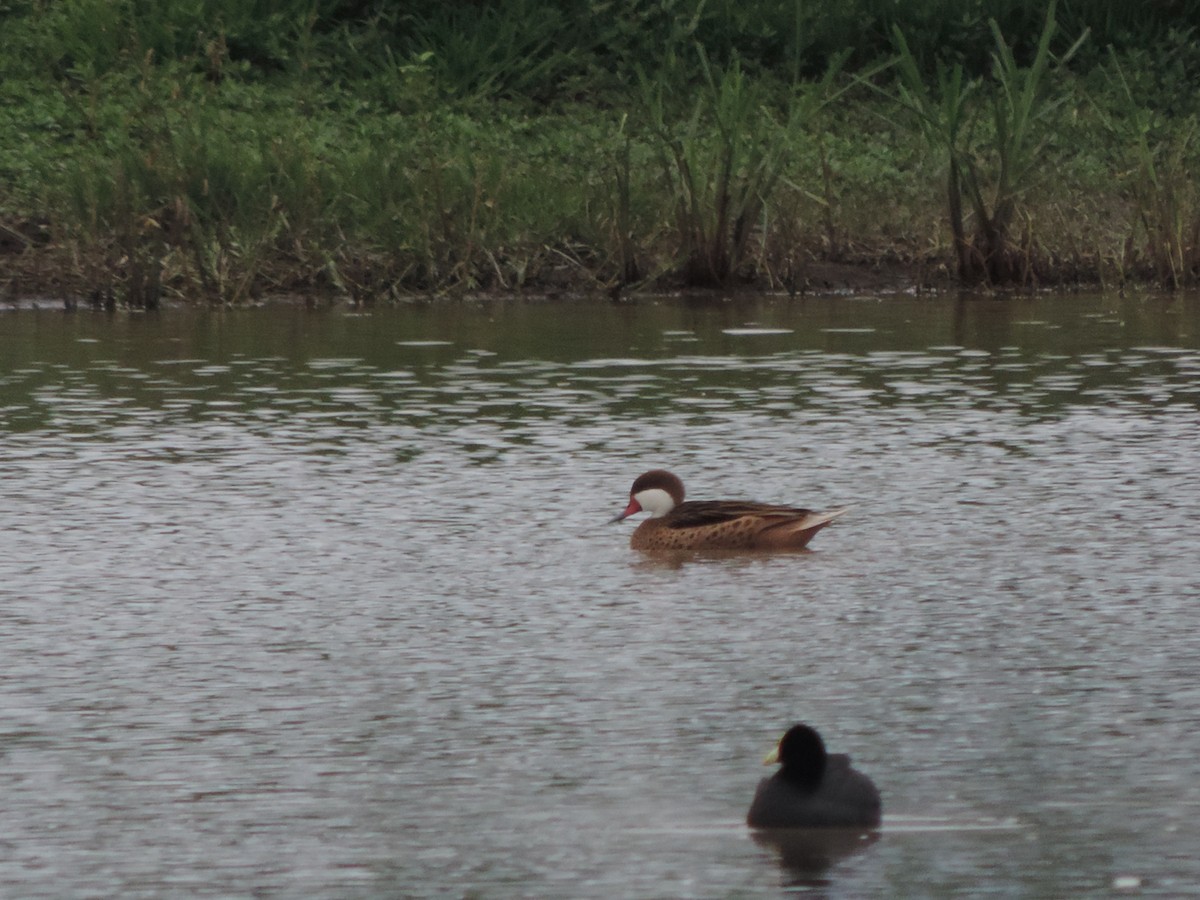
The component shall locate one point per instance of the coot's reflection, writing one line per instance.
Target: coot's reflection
(805, 854)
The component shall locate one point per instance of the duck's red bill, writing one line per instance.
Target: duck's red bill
(632, 508)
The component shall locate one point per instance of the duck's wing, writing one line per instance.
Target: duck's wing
(695, 513)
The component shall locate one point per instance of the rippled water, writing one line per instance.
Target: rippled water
(322, 603)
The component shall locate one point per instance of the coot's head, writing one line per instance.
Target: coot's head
(801, 756)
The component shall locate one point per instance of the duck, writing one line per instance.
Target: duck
(737, 525)
(813, 788)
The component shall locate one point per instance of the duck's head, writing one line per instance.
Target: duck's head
(801, 755)
(656, 492)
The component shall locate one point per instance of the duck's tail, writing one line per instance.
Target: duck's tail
(795, 535)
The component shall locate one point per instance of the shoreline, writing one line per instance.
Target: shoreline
(37, 278)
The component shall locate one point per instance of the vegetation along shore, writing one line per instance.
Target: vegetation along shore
(219, 151)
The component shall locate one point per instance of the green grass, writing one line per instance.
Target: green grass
(220, 151)
(992, 137)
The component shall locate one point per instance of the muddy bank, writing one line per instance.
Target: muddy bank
(44, 274)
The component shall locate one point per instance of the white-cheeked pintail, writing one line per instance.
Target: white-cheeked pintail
(675, 525)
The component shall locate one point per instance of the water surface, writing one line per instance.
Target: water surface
(322, 602)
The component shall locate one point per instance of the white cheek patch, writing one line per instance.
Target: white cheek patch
(655, 501)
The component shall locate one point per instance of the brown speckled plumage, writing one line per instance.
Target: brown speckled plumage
(717, 525)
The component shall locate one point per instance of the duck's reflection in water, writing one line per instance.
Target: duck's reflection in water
(805, 854)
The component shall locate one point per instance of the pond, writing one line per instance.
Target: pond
(325, 602)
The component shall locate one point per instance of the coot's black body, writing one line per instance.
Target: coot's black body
(814, 789)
